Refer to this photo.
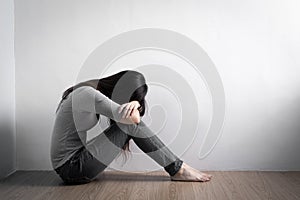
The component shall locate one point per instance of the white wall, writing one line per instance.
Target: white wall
(7, 87)
(254, 45)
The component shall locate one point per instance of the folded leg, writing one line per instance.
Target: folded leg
(150, 144)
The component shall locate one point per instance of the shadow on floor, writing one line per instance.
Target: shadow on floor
(50, 178)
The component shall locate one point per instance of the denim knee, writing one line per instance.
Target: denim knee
(129, 129)
(140, 130)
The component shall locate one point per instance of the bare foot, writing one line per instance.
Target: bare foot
(187, 173)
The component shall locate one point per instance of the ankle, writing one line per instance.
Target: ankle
(180, 171)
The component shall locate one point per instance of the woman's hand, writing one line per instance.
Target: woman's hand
(127, 108)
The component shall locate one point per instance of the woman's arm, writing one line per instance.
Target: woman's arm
(88, 99)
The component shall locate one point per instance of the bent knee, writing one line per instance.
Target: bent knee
(130, 129)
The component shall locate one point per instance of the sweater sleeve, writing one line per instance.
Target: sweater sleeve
(88, 99)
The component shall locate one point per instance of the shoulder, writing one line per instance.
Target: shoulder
(85, 89)
(90, 91)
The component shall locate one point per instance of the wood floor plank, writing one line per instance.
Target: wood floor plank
(44, 185)
(243, 185)
(213, 189)
(279, 187)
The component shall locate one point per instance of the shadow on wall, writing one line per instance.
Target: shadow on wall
(284, 122)
(8, 150)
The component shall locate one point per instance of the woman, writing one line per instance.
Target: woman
(121, 98)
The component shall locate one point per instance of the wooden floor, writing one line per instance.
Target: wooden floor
(155, 185)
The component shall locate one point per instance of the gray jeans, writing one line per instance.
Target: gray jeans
(93, 158)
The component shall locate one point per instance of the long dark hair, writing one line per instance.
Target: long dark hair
(122, 87)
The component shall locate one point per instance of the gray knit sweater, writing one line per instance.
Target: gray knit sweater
(75, 116)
